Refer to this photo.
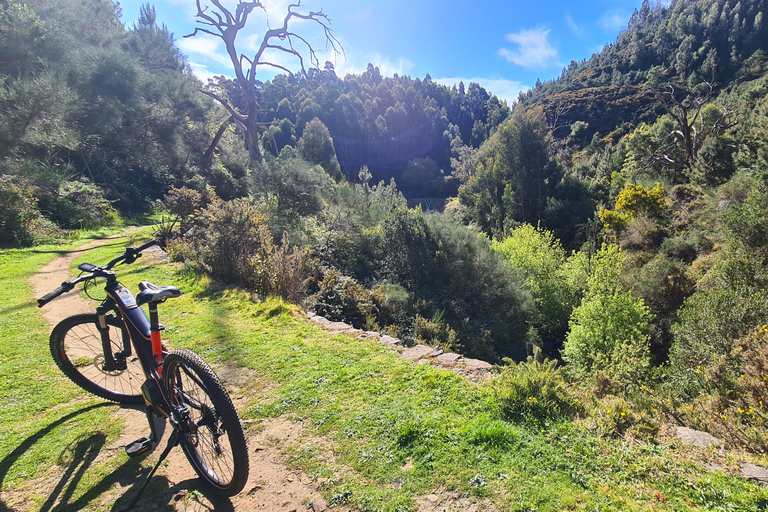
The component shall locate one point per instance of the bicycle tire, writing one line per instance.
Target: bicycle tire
(218, 450)
(76, 347)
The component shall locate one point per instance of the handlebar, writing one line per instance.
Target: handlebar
(64, 288)
(129, 256)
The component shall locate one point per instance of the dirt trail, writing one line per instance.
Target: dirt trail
(272, 485)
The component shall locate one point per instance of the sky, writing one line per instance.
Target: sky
(502, 45)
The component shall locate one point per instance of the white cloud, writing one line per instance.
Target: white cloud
(505, 89)
(614, 21)
(577, 30)
(201, 71)
(387, 67)
(206, 48)
(533, 49)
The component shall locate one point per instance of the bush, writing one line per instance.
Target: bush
(540, 258)
(732, 297)
(632, 202)
(182, 203)
(231, 242)
(534, 391)
(436, 332)
(77, 205)
(19, 215)
(733, 399)
(341, 298)
(613, 415)
(609, 329)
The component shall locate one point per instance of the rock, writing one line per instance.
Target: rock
(417, 352)
(714, 466)
(319, 506)
(432, 498)
(320, 320)
(389, 340)
(754, 472)
(337, 326)
(476, 364)
(449, 358)
(697, 437)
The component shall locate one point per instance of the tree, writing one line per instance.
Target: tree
(516, 177)
(632, 202)
(226, 25)
(695, 121)
(316, 147)
(540, 257)
(609, 328)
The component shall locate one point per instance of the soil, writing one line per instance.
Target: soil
(272, 484)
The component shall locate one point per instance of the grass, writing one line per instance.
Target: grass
(379, 432)
(46, 424)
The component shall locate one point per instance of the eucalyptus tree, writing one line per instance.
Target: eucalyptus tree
(226, 24)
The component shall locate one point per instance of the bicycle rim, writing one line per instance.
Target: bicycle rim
(76, 347)
(211, 434)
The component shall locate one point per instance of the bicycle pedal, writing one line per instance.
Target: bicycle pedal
(138, 447)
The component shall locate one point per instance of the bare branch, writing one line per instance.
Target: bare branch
(237, 116)
(222, 23)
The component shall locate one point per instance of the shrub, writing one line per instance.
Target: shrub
(182, 203)
(231, 242)
(342, 298)
(733, 399)
(18, 211)
(732, 297)
(436, 332)
(631, 203)
(534, 391)
(540, 258)
(614, 415)
(608, 330)
(77, 205)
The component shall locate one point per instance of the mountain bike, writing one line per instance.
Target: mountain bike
(118, 354)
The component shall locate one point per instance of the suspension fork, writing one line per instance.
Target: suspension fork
(106, 344)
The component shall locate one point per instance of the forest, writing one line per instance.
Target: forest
(612, 219)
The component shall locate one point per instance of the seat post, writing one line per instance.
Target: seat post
(155, 328)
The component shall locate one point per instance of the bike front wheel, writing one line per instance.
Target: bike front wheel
(211, 435)
(76, 347)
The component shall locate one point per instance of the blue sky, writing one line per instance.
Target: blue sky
(502, 45)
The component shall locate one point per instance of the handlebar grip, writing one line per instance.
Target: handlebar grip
(64, 288)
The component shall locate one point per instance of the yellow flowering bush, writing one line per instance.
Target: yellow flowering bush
(733, 405)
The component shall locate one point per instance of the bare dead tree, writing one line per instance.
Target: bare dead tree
(561, 109)
(686, 109)
(220, 22)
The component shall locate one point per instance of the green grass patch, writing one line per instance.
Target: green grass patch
(378, 432)
(50, 430)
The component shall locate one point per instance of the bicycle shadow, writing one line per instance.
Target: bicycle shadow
(77, 460)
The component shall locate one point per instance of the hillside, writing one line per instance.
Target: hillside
(340, 422)
(611, 223)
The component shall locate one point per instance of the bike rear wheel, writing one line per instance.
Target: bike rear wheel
(76, 347)
(211, 435)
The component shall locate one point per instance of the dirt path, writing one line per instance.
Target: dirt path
(272, 485)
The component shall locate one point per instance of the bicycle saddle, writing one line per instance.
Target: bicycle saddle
(152, 293)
